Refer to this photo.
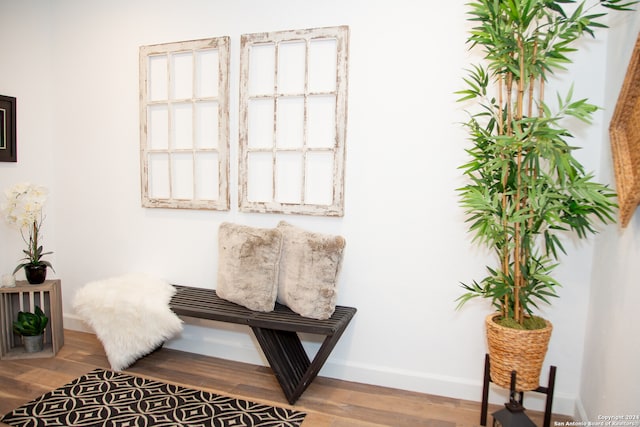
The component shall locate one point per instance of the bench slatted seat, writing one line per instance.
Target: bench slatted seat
(276, 332)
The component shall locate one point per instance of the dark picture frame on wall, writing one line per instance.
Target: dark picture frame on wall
(8, 122)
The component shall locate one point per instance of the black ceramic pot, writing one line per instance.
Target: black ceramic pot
(35, 273)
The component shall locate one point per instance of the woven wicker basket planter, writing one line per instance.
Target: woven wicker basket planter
(519, 350)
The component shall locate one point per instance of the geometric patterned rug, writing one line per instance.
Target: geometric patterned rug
(107, 398)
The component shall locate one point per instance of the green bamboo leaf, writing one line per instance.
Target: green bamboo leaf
(526, 189)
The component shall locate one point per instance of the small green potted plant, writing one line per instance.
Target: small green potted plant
(31, 327)
(525, 187)
(23, 209)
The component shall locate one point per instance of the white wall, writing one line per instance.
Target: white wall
(610, 378)
(74, 69)
(25, 71)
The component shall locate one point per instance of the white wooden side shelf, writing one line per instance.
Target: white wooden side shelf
(25, 297)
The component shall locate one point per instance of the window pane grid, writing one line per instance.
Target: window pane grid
(285, 132)
(184, 124)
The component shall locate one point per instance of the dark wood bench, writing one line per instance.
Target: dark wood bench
(276, 332)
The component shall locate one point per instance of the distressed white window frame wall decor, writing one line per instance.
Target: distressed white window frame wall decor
(293, 116)
(184, 124)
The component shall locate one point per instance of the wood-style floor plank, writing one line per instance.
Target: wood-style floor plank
(328, 402)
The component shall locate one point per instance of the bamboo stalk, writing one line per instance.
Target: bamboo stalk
(500, 101)
(531, 171)
(505, 224)
(505, 197)
(517, 252)
(532, 79)
(541, 97)
(509, 103)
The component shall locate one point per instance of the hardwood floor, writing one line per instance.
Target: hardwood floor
(327, 402)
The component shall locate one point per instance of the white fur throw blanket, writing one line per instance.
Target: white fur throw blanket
(130, 315)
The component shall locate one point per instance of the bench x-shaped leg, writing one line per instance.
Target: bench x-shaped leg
(289, 361)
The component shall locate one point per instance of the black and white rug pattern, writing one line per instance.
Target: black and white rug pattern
(107, 398)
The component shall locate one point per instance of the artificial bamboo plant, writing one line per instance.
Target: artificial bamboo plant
(525, 185)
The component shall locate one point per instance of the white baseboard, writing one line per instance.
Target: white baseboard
(457, 388)
(75, 324)
(234, 342)
(581, 413)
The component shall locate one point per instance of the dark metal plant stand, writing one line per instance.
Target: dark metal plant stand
(545, 390)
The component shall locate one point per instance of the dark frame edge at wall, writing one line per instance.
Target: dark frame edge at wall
(8, 147)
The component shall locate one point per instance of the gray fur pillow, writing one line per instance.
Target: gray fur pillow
(248, 265)
(309, 268)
